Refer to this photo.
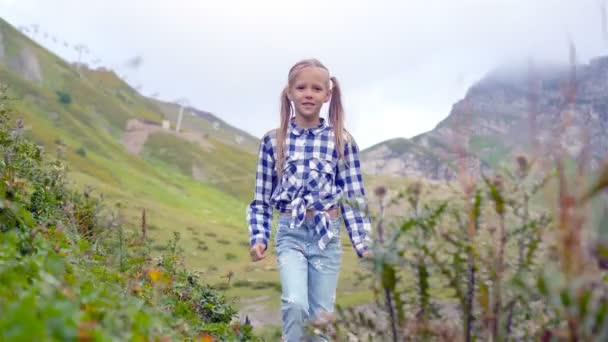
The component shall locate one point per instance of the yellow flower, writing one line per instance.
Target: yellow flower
(206, 338)
(154, 275)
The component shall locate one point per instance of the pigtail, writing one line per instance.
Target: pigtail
(286, 113)
(336, 116)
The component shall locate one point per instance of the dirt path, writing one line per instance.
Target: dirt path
(261, 315)
(258, 313)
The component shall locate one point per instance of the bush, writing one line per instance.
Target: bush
(488, 264)
(64, 97)
(81, 152)
(67, 273)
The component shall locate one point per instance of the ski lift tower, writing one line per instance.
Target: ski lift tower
(182, 102)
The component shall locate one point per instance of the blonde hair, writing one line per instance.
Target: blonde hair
(336, 111)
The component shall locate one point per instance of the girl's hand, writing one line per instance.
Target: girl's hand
(257, 252)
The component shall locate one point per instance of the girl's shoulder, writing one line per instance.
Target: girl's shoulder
(270, 136)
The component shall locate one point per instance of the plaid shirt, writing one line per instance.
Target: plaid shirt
(312, 178)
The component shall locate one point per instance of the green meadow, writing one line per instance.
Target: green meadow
(200, 192)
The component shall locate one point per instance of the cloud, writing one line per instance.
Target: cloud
(8, 3)
(16, 4)
(406, 62)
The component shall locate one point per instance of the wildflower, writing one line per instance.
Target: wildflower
(206, 338)
(154, 275)
(380, 192)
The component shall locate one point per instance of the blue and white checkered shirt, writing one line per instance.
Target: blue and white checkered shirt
(312, 178)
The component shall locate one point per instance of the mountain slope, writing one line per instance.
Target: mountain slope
(84, 114)
(196, 182)
(505, 114)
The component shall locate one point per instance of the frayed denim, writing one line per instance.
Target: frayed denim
(309, 275)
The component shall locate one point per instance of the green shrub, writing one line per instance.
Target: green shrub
(81, 152)
(491, 263)
(63, 276)
(64, 97)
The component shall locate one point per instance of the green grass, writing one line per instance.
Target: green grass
(207, 212)
(489, 149)
(224, 166)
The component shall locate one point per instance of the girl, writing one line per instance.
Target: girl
(309, 171)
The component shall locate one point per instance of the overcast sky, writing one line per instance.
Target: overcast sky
(402, 64)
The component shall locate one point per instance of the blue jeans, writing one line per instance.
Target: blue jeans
(309, 275)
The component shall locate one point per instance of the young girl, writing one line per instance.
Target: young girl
(309, 171)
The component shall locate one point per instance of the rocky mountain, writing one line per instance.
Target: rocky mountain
(510, 111)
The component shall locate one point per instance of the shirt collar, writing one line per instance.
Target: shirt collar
(314, 130)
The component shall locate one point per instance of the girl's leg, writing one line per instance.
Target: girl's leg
(323, 270)
(293, 270)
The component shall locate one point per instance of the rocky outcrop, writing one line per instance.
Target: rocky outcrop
(29, 66)
(2, 49)
(399, 157)
(507, 112)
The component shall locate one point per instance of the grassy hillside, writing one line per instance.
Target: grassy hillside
(200, 193)
(69, 271)
(209, 125)
(221, 166)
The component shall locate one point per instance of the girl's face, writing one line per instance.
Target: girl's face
(309, 91)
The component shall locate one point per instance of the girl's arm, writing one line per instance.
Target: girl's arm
(354, 205)
(259, 211)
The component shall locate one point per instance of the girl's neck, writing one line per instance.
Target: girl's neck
(307, 122)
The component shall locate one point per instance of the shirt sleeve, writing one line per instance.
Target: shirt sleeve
(354, 206)
(259, 211)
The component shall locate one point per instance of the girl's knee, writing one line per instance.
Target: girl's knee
(295, 301)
